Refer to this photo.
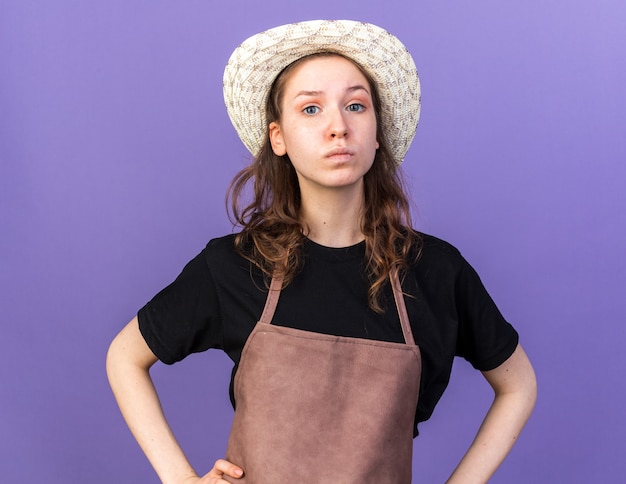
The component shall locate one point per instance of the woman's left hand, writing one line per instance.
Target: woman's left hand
(515, 388)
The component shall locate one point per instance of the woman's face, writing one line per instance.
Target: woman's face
(327, 124)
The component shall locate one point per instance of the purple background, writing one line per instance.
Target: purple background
(116, 151)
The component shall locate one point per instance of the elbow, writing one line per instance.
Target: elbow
(531, 389)
(128, 354)
(527, 383)
(112, 360)
(515, 381)
(525, 390)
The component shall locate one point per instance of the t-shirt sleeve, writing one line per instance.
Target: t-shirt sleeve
(485, 338)
(184, 317)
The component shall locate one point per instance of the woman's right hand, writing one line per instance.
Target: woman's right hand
(220, 469)
(128, 363)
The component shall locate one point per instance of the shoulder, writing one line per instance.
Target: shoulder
(222, 244)
(437, 254)
(441, 266)
(225, 262)
(222, 250)
(438, 246)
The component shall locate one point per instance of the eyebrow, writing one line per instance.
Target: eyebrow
(358, 87)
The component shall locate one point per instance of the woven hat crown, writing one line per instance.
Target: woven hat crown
(255, 64)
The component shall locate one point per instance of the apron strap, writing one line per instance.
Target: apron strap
(398, 295)
(277, 282)
(272, 299)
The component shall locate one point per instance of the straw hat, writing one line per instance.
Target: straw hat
(255, 64)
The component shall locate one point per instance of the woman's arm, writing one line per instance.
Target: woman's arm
(129, 360)
(515, 390)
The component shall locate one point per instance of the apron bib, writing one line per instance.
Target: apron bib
(317, 408)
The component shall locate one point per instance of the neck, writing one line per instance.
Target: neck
(333, 217)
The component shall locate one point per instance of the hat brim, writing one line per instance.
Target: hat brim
(255, 64)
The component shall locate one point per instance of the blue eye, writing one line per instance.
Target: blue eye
(356, 107)
(311, 110)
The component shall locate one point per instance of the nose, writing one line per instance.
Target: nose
(338, 126)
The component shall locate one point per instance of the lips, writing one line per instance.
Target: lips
(340, 153)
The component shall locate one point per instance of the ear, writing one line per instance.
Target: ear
(276, 139)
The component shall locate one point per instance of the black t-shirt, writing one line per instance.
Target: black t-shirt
(217, 299)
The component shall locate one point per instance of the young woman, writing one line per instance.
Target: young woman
(342, 320)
